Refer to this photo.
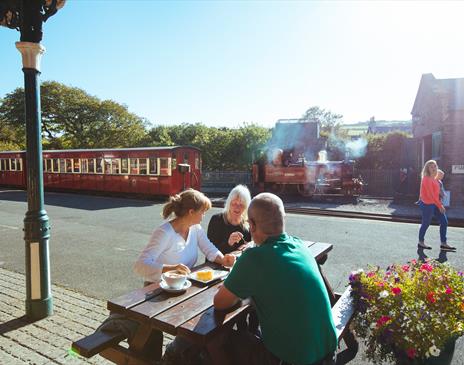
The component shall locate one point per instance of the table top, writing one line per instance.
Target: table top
(189, 313)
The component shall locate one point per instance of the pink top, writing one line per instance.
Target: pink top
(430, 191)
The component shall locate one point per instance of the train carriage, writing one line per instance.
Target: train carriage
(149, 170)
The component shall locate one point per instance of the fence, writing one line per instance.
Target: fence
(224, 181)
(388, 182)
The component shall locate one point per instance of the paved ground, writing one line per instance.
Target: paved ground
(47, 341)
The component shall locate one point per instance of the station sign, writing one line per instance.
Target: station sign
(457, 169)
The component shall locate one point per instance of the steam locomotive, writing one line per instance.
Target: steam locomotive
(281, 174)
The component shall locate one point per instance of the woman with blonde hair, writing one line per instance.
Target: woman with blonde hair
(174, 245)
(229, 229)
(430, 205)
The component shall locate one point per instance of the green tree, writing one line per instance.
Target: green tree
(329, 121)
(71, 118)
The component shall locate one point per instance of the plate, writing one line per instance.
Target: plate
(217, 274)
(165, 287)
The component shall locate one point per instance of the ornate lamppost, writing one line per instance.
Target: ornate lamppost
(27, 16)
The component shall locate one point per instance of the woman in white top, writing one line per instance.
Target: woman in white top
(174, 245)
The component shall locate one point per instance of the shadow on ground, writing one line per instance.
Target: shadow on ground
(80, 201)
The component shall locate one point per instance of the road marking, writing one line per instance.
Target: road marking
(10, 227)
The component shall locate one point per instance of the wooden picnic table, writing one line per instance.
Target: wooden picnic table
(189, 314)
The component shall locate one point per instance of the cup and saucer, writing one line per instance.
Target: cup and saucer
(174, 282)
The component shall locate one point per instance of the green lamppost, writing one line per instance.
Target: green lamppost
(27, 16)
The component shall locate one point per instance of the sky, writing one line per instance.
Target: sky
(228, 63)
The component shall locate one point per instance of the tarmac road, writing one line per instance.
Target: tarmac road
(95, 241)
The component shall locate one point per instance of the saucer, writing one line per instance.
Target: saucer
(167, 288)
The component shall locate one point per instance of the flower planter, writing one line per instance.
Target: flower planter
(445, 357)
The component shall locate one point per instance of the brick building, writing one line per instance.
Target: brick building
(438, 127)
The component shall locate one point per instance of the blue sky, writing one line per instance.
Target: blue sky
(225, 63)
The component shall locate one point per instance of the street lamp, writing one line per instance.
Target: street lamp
(27, 16)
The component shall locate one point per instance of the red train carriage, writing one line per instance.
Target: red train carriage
(150, 170)
(308, 178)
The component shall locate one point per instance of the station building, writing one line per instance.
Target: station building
(438, 127)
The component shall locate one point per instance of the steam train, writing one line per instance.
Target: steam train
(280, 174)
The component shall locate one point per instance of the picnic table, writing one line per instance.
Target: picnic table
(189, 314)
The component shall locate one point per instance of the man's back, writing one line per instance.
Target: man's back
(292, 303)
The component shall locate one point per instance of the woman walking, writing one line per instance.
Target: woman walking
(430, 205)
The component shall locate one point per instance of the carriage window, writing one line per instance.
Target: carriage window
(1, 164)
(186, 157)
(19, 164)
(153, 166)
(12, 164)
(174, 163)
(62, 165)
(48, 165)
(133, 166)
(69, 165)
(115, 165)
(92, 165)
(77, 167)
(107, 165)
(142, 166)
(98, 165)
(55, 165)
(124, 166)
(84, 166)
(197, 162)
(165, 168)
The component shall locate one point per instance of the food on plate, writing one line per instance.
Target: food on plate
(204, 275)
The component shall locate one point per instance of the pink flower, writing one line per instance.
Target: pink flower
(370, 274)
(426, 267)
(405, 268)
(383, 320)
(413, 261)
(449, 290)
(411, 353)
(396, 290)
(380, 284)
(431, 297)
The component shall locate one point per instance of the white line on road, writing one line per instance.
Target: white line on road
(10, 227)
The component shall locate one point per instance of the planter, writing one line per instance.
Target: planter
(445, 357)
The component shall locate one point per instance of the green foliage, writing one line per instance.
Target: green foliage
(222, 148)
(329, 121)
(408, 312)
(71, 118)
(384, 151)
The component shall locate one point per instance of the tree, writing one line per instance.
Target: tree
(329, 121)
(71, 118)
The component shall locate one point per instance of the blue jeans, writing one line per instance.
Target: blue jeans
(428, 211)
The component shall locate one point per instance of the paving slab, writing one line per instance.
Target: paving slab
(47, 341)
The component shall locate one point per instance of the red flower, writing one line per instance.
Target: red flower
(396, 290)
(383, 320)
(405, 268)
(431, 297)
(426, 267)
(411, 353)
(370, 274)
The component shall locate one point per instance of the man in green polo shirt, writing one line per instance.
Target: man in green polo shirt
(281, 276)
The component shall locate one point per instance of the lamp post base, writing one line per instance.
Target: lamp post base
(39, 308)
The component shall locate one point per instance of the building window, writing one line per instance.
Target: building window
(436, 145)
